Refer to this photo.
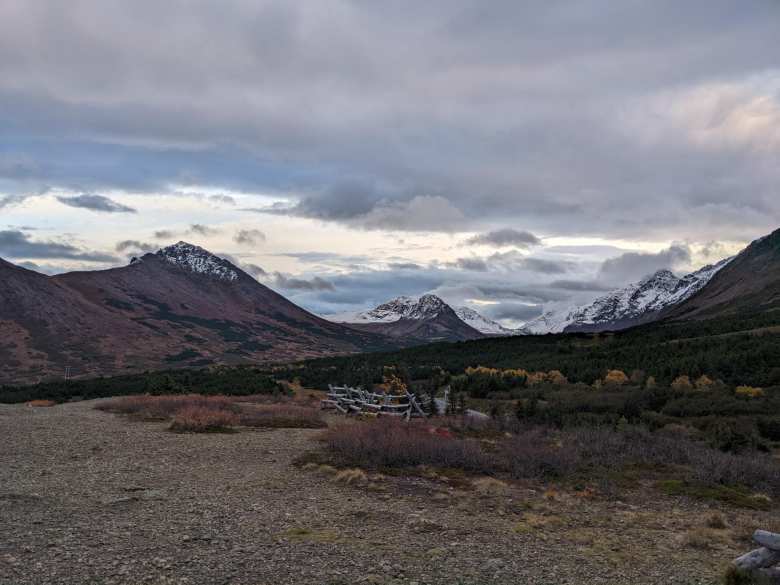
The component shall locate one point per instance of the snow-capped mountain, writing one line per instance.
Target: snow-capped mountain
(637, 303)
(427, 318)
(482, 323)
(424, 307)
(198, 260)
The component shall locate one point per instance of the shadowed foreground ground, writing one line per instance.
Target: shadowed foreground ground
(88, 497)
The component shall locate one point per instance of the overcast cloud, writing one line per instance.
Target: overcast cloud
(96, 203)
(508, 125)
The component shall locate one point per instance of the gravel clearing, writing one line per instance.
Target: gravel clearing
(87, 497)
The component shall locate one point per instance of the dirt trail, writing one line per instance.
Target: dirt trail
(88, 497)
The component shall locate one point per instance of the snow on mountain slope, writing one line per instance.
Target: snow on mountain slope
(634, 304)
(482, 323)
(425, 307)
(198, 260)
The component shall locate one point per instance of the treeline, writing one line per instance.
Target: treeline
(737, 350)
(236, 381)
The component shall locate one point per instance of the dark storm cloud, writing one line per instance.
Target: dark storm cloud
(202, 230)
(505, 237)
(292, 283)
(632, 266)
(475, 264)
(249, 237)
(135, 245)
(254, 270)
(581, 285)
(16, 244)
(404, 266)
(96, 203)
(647, 120)
(225, 199)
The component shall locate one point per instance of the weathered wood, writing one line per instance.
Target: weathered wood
(757, 559)
(770, 540)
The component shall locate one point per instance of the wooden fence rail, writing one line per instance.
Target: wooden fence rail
(348, 400)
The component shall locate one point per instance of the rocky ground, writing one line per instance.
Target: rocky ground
(87, 497)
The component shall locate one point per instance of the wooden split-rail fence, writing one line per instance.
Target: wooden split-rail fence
(347, 400)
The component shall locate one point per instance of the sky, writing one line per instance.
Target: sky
(510, 156)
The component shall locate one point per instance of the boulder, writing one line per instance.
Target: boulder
(757, 559)
(770, 540)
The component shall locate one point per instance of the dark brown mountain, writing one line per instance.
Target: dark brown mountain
(750, 283)
(181, 306)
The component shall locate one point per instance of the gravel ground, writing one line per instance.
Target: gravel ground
(90, 498)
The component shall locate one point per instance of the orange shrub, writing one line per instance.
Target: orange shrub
(556, 377)
(163, 407)
(280, 416)
(748, 392)
(616, 378)
(682, 384)
(200, 419)
(41, 403)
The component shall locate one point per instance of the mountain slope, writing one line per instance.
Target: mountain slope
(638, 303)
(749, 284)
(421, 320)
(181, 306)
(483, 324)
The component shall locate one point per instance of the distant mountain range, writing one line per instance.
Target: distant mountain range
(637, 303)
(183, 306)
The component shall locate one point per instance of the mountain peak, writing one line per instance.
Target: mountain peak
(198, 260)
(628, 306)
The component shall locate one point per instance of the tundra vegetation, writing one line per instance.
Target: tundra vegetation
(198, 413)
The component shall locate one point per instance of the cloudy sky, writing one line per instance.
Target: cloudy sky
(507, 155)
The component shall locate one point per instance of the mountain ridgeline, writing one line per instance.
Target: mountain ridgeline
(179, 307)
(185, 307)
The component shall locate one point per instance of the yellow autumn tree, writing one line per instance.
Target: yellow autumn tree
(615, 378)
(748, 392)
(535, 378)
(682, 384)
(556, 377)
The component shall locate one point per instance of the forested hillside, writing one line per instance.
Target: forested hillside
(741, 349)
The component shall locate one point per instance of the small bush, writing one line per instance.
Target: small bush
(281, 416)
(532, 455)
(41, 403)
(251, 411)
(716, 521)
(390, 443)
(682, 384)
(351, 476)
(489, 486)
(748, 392)
(199, 419)
(163, 407)
(701, 538)
(615, 378)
